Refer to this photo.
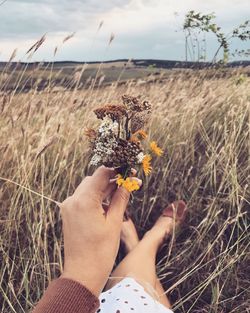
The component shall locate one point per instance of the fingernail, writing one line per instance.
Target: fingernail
(139, 181)
(133, 171)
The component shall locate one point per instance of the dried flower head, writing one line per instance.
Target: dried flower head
(115, 112)
(139, 120)
(135, 104)
(91, 134)
(125, 153)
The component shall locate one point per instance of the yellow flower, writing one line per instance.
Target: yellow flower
(131, 184)
(141, 133)
(119, 180)
(138, 136)
(128, 183)
(157, 150)
(146, 164)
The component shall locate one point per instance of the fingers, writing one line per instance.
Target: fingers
(112, 185)
(102, 185)
(110, 189)
(133, 172)
(102, 176)
(107, 195)
(97, 183)
(119, 202)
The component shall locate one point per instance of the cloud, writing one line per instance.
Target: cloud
(140, 15)
(26, 18)
(143, 28)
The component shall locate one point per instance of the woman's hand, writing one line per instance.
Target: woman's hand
(92, 235)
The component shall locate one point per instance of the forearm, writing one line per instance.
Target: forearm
(67, 296)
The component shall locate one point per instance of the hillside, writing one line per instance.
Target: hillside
(24, 76)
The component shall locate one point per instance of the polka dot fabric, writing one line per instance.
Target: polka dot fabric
(129, 297)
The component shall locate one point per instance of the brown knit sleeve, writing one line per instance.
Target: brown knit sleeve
(67, 296)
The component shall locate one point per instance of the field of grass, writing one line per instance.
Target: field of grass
(203, 124)
(26, 76)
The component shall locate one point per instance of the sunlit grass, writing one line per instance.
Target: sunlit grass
(203, 124)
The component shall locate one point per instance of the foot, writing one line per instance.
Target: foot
(170, 220)
(129, 235)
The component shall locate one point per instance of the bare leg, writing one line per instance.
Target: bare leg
(140, 261)
(162, 297)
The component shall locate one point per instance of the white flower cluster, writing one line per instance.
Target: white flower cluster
(103, 150)
(106, 143)
(108, 127)
(95, 160)
(140, 157)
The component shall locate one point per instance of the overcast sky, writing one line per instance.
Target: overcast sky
(142, 28)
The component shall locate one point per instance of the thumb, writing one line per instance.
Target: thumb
(120, 200)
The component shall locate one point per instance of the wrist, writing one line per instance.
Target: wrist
(86, 277)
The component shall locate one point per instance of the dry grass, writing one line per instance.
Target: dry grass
(202, 123)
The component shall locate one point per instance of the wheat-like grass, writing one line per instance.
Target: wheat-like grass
(201, 120)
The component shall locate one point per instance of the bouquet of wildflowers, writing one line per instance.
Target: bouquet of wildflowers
(121, 141)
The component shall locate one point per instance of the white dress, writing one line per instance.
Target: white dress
(128, 296)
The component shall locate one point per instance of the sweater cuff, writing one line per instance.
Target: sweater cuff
(67, 296)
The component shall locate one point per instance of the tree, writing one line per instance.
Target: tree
(197, 24)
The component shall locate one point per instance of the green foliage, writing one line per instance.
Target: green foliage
(242, 32)
(197, 20)
(152, 66)
(198, 23)
(241, 53)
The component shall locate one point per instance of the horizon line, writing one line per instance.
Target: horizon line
(124, 60)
